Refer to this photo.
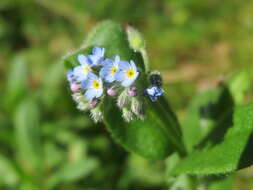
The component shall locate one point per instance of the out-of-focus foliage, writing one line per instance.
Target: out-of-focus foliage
(45, 143)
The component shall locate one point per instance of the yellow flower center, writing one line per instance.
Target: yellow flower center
(130, 73)
(113, 70)
(86, 68)
(96, 84)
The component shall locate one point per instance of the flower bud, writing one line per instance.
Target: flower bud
(132, 92)
(82, 106)
(96, 114)
(136, 106)
(123, 99)
(135, 39)
(111, 91)
(74, 87)
(78, 97)
(127, 114)
(93, 103)
(155, 78)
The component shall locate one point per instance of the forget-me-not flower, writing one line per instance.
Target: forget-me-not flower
(127, 73)
(70, 76)
(82, 71)
(93, 86)
(110, 68)
(153, 92)
(97, 56)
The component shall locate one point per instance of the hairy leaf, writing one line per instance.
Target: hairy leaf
(232, 153)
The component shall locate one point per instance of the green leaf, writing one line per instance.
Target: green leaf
(27, 132)
(53, 80)
(78, 166)
(184, 182)
(232, 153)
(203, 114)
(159, 134)
(17, 82)
(71, 172)
(226, 183)
(151, 138)
(10, 176)
(239, 84)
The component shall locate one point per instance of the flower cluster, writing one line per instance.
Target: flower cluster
(96, 77)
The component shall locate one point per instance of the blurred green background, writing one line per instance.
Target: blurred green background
(45, 143)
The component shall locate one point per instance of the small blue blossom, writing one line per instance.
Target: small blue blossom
(71, 76)
(93, 86)
(82, 71)
(153, 92)
(127, 73)
(97, 56)
(110, 68)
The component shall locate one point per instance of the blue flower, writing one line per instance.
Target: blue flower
(153, 92)
(110, 68)
(71, 76)
(93, 86)
(82, 71)
(127, 73)
(97, 56)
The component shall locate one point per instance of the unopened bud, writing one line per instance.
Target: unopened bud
(135, 39)
(155, 78)
(123, 99)
(96, 114)
(132, 92)
(127, 114)
(136, 106)
(93, 103)
(82, 106)
(74, 87)
(78, 97)
(111, 91)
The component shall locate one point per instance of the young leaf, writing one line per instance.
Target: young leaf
(233, 153)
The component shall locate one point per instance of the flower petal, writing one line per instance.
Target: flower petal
(92, 76)
(110, 78)
(127, 82)
(120, 76)
(133, 66)
(98, 51)
(90, 94)
(82, 59)
(123, 65)
(99, 93)
(80, 73)
(117, 59)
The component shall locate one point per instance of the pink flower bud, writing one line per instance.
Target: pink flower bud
(74, 87)
(111, 91)
(132, 92)
(120, 105)
(93, 103)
